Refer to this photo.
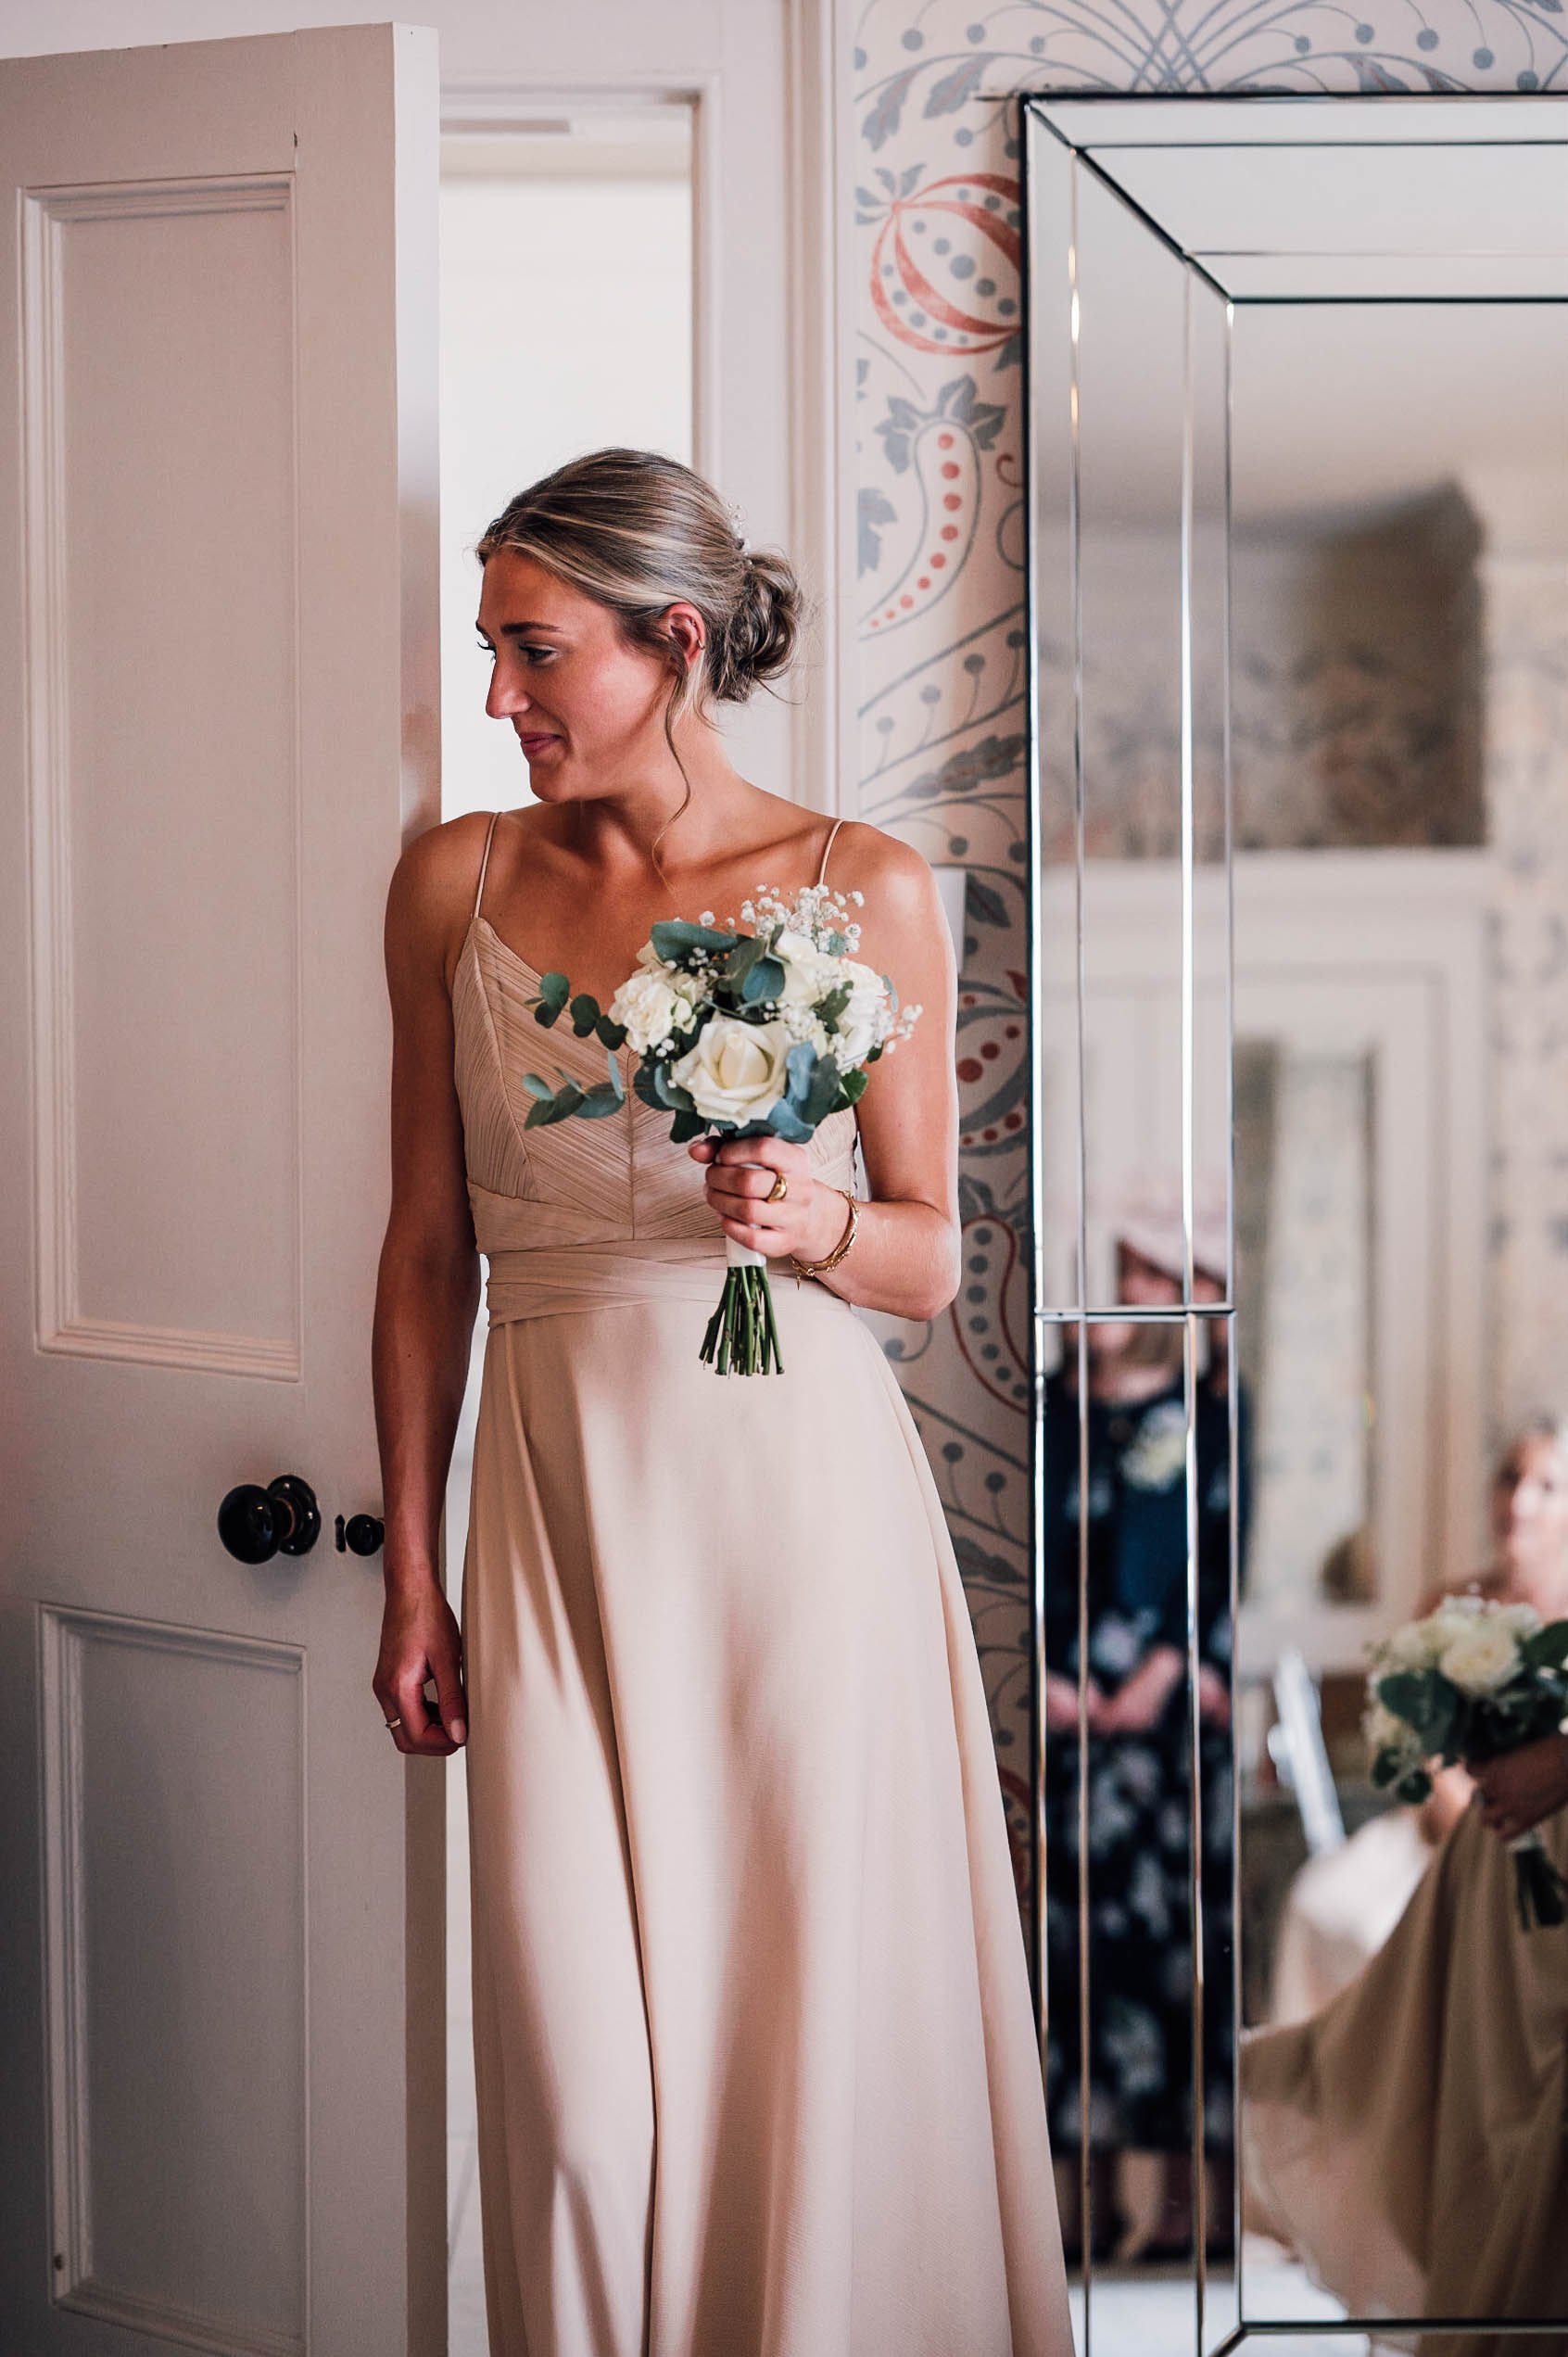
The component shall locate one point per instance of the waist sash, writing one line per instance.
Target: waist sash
(545, 1280)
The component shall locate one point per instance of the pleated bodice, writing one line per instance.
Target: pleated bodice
(578, 1210)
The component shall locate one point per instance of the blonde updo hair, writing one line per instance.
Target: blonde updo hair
(1546, 1424)
(636, 531)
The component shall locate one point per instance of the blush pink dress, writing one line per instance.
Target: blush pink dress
(756, 2059)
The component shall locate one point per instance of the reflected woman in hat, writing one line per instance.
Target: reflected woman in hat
(1138, 1754)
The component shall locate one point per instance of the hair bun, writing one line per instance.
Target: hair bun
(760, 637)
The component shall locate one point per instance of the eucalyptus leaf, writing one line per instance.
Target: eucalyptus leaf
(536, 1086)
(564, 1103)
(554, 989)
(669, 1093)
(784, 1121)
(823, 1093)
(799, 1064)
(1547, 1649)
(585, 1014)
(764, 979)
(854, 1085)
(672, 936)
(827, 1010)
(748, 948)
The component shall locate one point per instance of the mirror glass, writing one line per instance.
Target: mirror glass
(1298, 461)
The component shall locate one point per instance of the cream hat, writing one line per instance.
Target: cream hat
(1147, 1214)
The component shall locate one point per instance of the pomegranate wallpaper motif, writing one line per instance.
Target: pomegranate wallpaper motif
(942, 650)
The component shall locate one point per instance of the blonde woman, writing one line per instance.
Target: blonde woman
(756, 2053)
(1342, 1906)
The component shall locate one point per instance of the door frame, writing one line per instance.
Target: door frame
(818, 395)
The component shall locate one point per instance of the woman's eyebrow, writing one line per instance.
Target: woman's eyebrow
(518, 629)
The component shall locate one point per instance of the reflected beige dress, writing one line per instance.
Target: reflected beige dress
(755, 2054)
(1412, 2138)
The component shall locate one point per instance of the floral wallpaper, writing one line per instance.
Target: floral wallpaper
(941, 557)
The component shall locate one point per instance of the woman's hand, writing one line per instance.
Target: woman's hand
(1139, 1703)
(419, 1639)
(1453, 1789)
(1530, 1783)
(807, 1221)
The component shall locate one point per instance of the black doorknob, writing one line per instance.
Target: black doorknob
(256, 1523)
(361, 1534)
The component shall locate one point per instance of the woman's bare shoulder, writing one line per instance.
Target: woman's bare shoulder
(899, 887)
(431, 890)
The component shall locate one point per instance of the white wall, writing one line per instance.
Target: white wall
(565, 325)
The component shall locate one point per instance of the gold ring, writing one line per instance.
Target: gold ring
(394, 1722)
(779, 1190)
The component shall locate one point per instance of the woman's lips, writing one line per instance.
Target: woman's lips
(534, 744)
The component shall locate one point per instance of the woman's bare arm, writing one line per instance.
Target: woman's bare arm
(907, 1250)
(427, 1292)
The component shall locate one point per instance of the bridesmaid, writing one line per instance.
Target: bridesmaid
(755, 2058)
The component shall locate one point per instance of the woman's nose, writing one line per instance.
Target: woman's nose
(506, 697)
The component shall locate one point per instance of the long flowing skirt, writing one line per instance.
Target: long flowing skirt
(756, 2055)
(1409, 2139)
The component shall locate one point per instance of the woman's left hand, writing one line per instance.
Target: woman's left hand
(807, 1220)
(1518, 1791)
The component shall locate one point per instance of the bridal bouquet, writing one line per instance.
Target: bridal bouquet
(740, 1035)
(1471, 1681)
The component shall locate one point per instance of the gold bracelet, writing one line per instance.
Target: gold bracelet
(816, 1268)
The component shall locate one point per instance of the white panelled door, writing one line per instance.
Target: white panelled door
(221, 1932)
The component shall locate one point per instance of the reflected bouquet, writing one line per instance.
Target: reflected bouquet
(739, 1034)
(1470, 1681)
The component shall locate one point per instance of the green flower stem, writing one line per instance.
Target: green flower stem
(743, 1335)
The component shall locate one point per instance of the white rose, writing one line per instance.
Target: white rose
(735, 1071)
(861, 1025)
(651, 1009)
(809, 972)
(1481, 1657)
(1416, 1646)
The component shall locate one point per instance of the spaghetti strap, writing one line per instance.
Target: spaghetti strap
(827, 847)
(479, 889)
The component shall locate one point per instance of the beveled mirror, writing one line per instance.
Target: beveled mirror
(1296, 399)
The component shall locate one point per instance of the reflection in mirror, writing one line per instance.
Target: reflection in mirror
(1395, 570)
(1136, 1472)
(1299, 573)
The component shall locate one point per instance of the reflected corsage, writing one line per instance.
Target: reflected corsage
(1471, 1681)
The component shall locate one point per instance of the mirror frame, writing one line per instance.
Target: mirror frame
(1061, 137)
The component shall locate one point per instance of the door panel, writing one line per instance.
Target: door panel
(222, 1945)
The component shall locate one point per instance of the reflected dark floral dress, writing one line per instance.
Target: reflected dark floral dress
(1140, 1817)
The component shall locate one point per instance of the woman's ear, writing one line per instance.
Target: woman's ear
(685, 630)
